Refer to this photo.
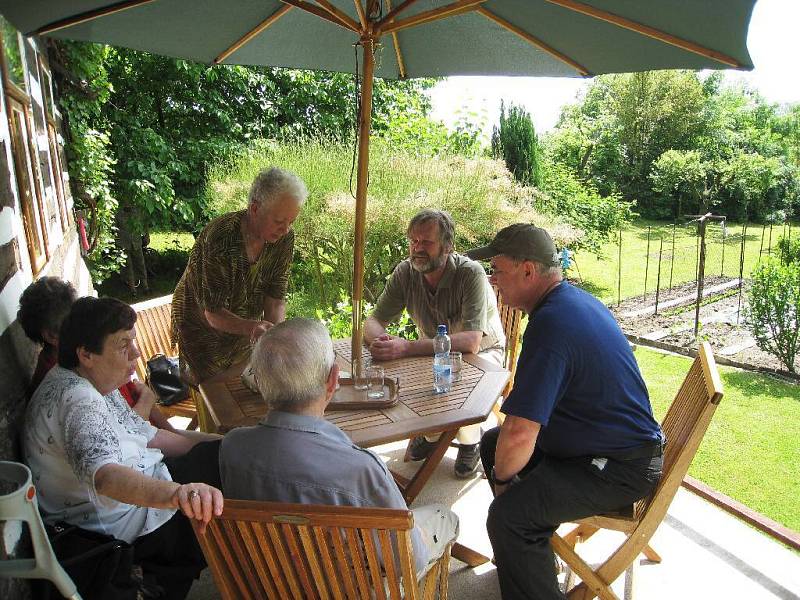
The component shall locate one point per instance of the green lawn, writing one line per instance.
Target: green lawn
(599, 272)
(751, 449)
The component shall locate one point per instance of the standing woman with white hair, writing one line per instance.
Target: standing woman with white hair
(234, 287)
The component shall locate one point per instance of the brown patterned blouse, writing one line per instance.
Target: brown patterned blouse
(220, 276)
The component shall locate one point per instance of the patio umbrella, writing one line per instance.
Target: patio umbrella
(412, 38)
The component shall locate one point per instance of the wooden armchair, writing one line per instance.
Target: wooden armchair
(684, 426)
(153, 335)
(280, 551)
(511, 319)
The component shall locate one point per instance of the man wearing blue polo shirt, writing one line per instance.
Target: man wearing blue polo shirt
(579, 438)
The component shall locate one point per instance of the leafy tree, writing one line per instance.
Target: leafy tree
(774, 309)
(653, 112)
(85, 89)
(680, 172)
(146, 128)
(580, 205)
(514, 140)
(667, 138)
(751, 181)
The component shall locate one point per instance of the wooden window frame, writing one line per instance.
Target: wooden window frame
(34, 217)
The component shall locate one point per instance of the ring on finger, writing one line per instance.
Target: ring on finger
(193, 494)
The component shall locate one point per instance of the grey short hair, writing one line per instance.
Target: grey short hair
(441, 218)
(273, 183)
(541, 268)
(291, 362)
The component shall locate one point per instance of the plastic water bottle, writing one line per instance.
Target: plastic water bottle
(442, 377)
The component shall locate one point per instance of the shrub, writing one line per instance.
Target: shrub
(774, 309)
(579, 204)
(789, 250)
(339, 321)
(515, 142)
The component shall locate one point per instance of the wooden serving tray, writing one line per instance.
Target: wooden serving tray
(348, 398)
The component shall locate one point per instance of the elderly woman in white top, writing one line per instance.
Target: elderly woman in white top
(98, 465)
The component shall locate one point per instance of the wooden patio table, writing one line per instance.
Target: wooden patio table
(229, 404)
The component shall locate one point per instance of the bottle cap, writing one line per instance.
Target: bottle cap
(442, 329)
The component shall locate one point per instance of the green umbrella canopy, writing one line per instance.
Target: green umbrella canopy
(495, 37)
(409, 38)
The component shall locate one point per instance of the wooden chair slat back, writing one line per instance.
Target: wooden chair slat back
(511, 319)
(153, 331)
(684, 426)
(296, 551)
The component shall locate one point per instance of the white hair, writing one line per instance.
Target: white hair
(272, 184)
(291, 362)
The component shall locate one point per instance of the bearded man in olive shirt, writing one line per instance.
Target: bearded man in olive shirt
(438, 286)
(234, 286)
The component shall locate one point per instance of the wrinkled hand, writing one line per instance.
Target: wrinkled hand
(145, 398)
(259, 330)
(387, 347)
(198, 501)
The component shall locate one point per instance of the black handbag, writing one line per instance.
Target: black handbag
(164, 378)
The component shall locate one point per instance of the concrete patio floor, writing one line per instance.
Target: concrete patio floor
(706, 552)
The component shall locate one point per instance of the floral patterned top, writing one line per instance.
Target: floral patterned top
(70, 432)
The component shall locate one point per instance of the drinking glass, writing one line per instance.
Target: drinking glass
(375, 382)
(456, 362)
(359, 369)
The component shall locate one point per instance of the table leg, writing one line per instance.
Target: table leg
(469, 556)
(412, 487)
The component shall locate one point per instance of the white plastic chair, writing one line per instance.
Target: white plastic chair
(20, 505)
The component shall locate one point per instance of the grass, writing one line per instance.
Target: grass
(600, 272)
(750, 451)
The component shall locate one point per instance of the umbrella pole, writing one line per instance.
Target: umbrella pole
(365, 119)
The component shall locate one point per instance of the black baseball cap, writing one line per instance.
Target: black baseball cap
(520, 240)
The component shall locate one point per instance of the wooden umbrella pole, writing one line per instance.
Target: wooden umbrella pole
(365, 119)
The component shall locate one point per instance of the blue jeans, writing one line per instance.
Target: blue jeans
(553, 491)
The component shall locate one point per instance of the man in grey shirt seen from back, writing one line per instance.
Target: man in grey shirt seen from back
(295, 455)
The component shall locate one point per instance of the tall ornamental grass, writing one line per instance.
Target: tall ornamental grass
(479, 193)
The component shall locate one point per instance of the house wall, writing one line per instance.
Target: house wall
(63, 257)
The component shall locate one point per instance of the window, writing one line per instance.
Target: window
(23, 148)
(32, 214)
(14, 71)
(56, 166)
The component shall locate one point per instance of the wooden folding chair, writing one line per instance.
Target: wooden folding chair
(511, 319)
(153, 335)
(269, 550)
(684, 426)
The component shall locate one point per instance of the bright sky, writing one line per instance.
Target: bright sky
(773, 42)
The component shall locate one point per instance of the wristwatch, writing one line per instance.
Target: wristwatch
(500, 481)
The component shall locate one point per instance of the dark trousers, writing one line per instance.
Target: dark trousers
(199, 465)
(553, 491)
(172, 555)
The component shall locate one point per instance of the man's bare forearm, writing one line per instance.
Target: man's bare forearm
(373, 329)
(515, 446)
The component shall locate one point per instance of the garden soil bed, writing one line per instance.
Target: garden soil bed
(723, 324)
